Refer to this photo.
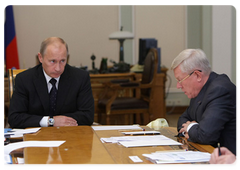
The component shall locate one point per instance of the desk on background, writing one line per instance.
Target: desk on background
(83, 146)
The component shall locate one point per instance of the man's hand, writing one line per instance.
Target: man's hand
(227, 156)
(64, 121)
(184, 128)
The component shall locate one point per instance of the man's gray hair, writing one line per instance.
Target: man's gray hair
(192, 59)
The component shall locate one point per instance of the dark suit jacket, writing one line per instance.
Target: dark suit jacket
(30, 99)
(215, 111)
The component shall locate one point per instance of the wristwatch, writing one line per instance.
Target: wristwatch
(51, 121)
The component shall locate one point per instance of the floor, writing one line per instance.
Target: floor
(173, 113)
(172, 119)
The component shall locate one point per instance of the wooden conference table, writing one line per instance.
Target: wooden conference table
(83, 146)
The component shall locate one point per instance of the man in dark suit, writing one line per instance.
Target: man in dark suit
(211, 115)
(72, 105)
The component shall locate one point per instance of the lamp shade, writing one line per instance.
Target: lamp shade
(121, 35)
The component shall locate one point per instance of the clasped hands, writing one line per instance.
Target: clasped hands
(184, 128)
(64, 121)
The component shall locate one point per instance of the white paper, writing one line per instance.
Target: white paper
(135, 159)
(120, 127)
(136, 141)
(20, 160)
(7, 159)
(149, 143)
(19, 132)
(178, 157)
(17, 145)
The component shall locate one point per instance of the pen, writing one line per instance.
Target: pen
(179, 135)
(145, 134)
(219, 151)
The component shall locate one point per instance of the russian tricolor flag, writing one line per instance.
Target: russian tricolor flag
(10, 41)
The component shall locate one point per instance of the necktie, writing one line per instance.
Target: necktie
(53, 97)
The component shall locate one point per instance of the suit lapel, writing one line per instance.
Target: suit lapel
(63, 88)
(41, 88)
(200, 98)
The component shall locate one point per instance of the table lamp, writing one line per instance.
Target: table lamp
(121, 36)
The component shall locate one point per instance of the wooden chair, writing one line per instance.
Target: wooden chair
(11, 78)
(11, 83)
(5, 106)
(139, 106)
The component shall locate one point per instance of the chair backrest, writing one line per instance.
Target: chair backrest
(150, 70)
(11, 78)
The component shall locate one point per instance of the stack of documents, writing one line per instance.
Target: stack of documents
(136, 141)
(178, 157)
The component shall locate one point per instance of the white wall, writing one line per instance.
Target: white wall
(222, 54)
(84, 28)
(167, 25)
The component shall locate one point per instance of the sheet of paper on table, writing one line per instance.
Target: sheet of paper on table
(15, 133)
(7, 159)
(17, 145)
(137, 141)
(178, 157)
(117, 127)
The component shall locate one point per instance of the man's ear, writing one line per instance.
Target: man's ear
(68, 56)
(199, 75)
(40, 58)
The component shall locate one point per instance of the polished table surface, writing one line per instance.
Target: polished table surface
(83, 146)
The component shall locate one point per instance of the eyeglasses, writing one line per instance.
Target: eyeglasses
(180, 81)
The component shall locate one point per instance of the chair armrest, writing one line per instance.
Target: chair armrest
(145, 86)
(130, 84)
(125, 83)
(118, 81)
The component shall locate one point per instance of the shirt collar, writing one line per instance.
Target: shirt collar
(48, 78)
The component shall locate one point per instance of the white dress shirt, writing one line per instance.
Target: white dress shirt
(44, 121)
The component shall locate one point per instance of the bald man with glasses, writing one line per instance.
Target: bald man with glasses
(211, 115)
